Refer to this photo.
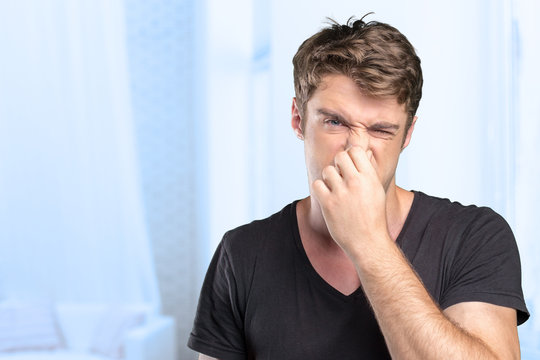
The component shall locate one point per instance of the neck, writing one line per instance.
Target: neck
(398, 204)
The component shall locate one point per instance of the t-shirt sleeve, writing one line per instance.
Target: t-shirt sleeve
(486, 266)
(218, 325)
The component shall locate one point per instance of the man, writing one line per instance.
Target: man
(362, 269)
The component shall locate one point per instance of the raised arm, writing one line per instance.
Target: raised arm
(353, 203)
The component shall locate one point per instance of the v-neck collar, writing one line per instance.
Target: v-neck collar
(359, 292)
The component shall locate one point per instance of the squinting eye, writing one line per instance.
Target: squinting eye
(333, 122)
(382, 132)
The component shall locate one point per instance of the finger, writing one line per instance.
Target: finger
(345, 164)
(360, 159)
(331, 177)
(371, 158)
(359, 138)
(320, 190)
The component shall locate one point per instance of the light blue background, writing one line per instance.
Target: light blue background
(134, 133)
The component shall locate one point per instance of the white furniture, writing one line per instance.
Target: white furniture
(103, 332)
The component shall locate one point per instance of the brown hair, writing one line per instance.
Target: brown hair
(376, 56)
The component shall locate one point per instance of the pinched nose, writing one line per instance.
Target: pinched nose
(358, 137)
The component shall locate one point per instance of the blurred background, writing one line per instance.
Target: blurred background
(134, 133)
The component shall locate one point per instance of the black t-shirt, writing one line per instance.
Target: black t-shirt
(262, 299)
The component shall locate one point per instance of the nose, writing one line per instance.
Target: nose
(358, 137)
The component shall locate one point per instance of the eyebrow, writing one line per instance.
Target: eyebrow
(380, 125)
(332, 114)
(384, 125)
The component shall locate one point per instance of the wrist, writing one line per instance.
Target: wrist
(373, 251)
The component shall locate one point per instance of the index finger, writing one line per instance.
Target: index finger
(345, 164)
(361, 159)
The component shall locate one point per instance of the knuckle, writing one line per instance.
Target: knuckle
(318, 187)
(354, 183)
(341, 156)
(355, 151)
(331, 202)
(325, 172)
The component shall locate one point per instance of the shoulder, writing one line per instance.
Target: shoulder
(479, 253)
(452, 215)
(250, 239)
(462, 232)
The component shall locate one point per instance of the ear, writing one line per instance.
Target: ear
(296, 120)
(409, 134)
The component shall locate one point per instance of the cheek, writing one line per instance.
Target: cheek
(327, 145)
(386, 157)
(320, 153)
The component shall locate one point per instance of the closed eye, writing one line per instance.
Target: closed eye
(384, 128)
(382, 133)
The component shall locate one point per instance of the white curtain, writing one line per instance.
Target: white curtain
(71, 220)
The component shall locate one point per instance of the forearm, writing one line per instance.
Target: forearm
(412, 324)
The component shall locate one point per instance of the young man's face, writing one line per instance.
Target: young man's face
(339, 116)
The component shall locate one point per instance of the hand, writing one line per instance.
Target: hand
(352, 200)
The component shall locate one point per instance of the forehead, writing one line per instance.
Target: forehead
(339, 93)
